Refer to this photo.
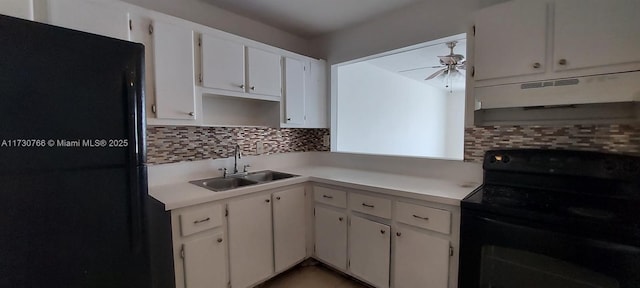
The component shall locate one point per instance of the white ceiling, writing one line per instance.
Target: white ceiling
(308, 18)
(417, 59)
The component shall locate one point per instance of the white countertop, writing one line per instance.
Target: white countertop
(184, 194)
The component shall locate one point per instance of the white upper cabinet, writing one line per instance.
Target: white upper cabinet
(316, 95)
(17, 8)
(294, 91)
(265, 72)
(98, 17)
(510, 39)
(174, 71)
(591, 33)
(522, 40)
(222, 64)
(306, 108)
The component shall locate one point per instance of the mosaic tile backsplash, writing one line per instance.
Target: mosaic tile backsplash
(169, 144)
(623, 139)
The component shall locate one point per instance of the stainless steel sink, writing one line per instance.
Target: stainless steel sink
(267, 176)
(240, 180)
(222, 184)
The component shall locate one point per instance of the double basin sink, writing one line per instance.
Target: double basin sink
(240, 180)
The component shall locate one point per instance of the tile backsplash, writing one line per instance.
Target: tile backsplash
(169, 144)
(623, 139)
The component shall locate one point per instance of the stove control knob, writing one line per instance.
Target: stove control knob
(506, 159)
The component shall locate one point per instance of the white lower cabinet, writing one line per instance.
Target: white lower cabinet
(289, 232)
(421, 260)
(369, 250)
(200, 246)
(331, 237)
(205, 262)
(250, 240)
(420, 236)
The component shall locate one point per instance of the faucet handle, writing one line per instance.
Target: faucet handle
(224, 172)
(245, 168)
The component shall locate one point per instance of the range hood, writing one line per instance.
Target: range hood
(606, 88)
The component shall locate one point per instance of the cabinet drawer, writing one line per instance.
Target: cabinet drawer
(330, 196)
(199, 219)
(376, 206)
(426, 217)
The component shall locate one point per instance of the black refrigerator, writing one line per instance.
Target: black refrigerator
(74, 207)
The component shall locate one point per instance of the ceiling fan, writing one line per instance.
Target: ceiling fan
(450, 64)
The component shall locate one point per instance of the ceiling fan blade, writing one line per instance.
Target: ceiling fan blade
(420, 68)
(434, 75)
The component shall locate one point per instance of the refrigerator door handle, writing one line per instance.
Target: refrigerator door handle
(136, 187)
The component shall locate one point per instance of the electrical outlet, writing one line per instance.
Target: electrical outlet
(326, 141)
(259, 147)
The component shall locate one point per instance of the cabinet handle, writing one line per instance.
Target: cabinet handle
(382, 231)
(340, 219)
(419, 217)
(219, 240)
(241, 86)
(267, 200)
(278, 198)
(398, 234)
(537, 65)
(562, 62)
(327, 196)
(367, 205)
(192, 114)
(202, 220)
(288, 119)
(253, 87)
(150, 29)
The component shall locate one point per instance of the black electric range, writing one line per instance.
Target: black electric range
(580, 209)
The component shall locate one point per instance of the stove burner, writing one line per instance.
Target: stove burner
(592, 213)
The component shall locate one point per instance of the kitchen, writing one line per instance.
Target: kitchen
(179, 150)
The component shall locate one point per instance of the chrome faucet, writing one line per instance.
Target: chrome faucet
(237, 154)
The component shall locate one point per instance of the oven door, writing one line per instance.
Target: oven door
(505, 253)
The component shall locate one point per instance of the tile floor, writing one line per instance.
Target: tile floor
(315, 276)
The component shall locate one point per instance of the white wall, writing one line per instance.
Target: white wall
(199, 11)
(422, 22)
(454, 131)
(380, 112)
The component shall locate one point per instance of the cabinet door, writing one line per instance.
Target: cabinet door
(222, 64)
(294, 91)
(265, 72)
(331, 237)
(140, 34)
(289, 234)
(510, 39)
(369, 250)
(590, 33)
(89, 16)
(421, 260)
(205, 262)
(17, 8)
(316, 95)
(250, 240)
(174, 71)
